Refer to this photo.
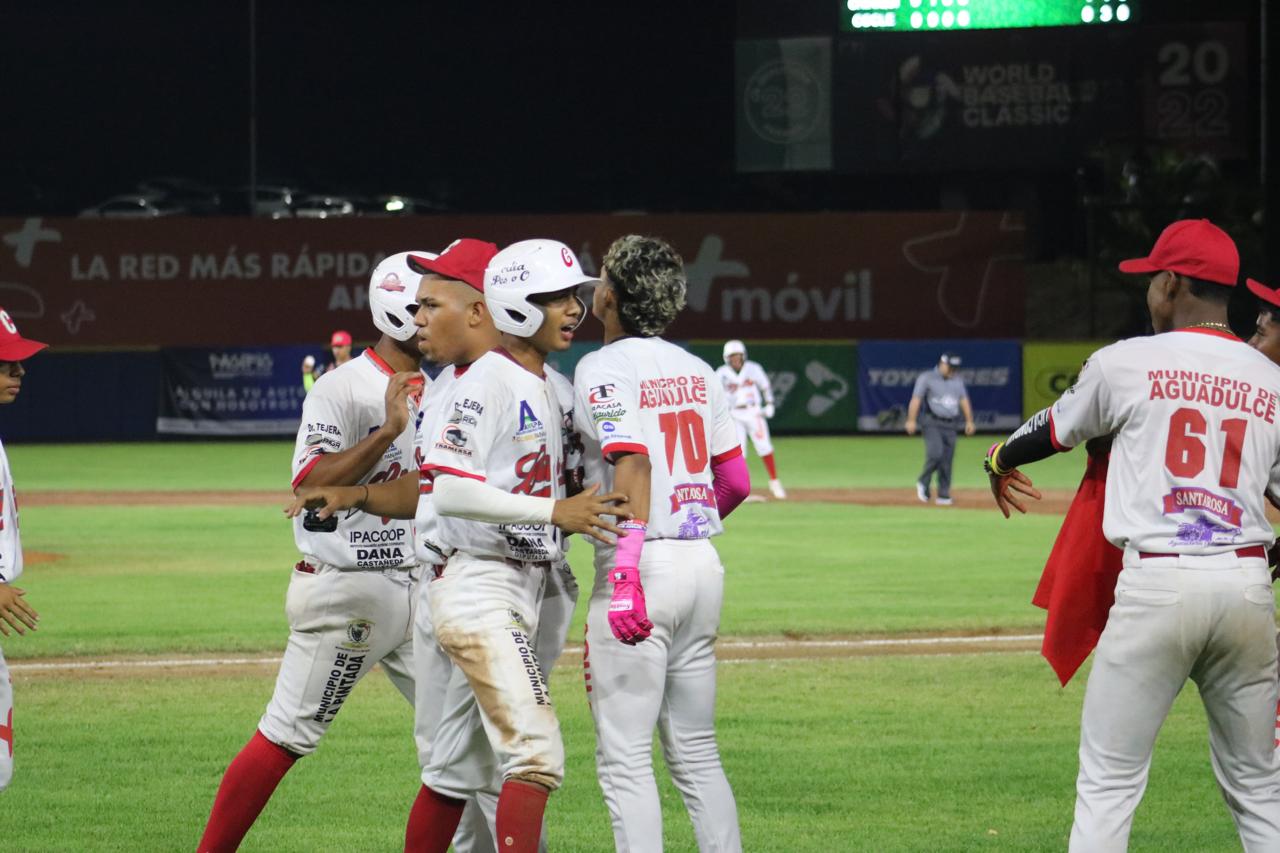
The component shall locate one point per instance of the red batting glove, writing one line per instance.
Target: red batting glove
(628, 618)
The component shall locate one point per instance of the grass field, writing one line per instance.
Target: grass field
(959, 752)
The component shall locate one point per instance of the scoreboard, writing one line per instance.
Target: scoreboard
(942, 15)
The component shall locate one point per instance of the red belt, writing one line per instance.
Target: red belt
(1252, 551)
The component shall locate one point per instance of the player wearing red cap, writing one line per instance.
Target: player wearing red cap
(1193, 411)
(15, 613)
(339, 346)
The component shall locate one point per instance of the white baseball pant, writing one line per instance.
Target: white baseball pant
(341, 623)
(6, 725)
(460, 733)
(750, 422)
(667, 681)
(1210, 619)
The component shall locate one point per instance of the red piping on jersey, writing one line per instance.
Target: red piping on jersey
(622, 448)
(726, 456)
(306, 469)
(459, 369)
(434, 471)
(1053, 436)
(378, 362)
(503, 351)
(1212, 332)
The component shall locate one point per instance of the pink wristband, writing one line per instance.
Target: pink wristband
(629, 546)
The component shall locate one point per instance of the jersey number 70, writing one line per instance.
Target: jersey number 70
(685, 429)
(1184, 452)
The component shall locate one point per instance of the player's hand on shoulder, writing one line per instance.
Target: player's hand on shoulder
(399, 388)
(326, 499)
(583, 513)
(14, 610)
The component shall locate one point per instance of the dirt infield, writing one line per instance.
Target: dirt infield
(1054, 502)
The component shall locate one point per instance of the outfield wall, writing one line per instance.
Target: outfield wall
(820, 387)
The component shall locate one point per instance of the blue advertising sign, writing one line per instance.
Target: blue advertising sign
(887, 371)
(231, 391)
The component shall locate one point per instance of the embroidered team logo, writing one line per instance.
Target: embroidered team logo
(358, 633)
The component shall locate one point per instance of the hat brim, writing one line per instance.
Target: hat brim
(1266, 294)
(1138, 265)
(20, 349)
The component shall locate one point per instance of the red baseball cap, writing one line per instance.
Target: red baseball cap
(13, 346)
(340, 339)
(462, 260)
(1263, 292)
(1192, 247)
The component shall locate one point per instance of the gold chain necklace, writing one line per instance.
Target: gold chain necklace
(1211, 325)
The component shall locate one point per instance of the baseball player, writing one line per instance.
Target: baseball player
(658, 429)
(339, 346)
(938, 400)
(15, 612)
(751, 400)
(1193, 410)
(351, 596)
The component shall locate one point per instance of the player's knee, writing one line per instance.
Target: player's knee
(550, 781)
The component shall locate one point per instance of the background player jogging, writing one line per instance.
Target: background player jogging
(657, 428)
(751, 403)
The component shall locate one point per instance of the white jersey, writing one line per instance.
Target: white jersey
(645, 395)
(10, 543)
(747, 389)
(344, 406)
(500, 424)
(426, 539)
(1196, 442)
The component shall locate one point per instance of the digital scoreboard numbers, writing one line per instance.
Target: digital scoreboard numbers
(935, 15)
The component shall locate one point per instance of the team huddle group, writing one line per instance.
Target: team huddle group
(438, 477)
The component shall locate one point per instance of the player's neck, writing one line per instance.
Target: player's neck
(1199, 315)
(524, 353)
(388, 349)
(613, 330)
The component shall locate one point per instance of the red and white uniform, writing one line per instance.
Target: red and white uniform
(10, 571)
(351, 598)
(645, 395)
(503, 425)
(749, 392)
(1194, 598)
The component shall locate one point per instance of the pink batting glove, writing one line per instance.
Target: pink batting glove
(628, 617)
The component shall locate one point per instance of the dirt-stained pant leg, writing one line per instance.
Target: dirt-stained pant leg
(1168, 624)
(485, 614)
(341, 623)
(6, 725)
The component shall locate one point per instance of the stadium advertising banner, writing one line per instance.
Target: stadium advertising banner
(1049, 369)
(231, 391)
(887, 371)
(783, 98)
(814, 382)
(247, 282)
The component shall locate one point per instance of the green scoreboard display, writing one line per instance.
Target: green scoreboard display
(942, 15)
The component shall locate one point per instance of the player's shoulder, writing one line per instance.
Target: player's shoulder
(558, 382)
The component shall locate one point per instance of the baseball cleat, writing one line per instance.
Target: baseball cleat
(922, 494)
(775, 488)
(944, 502)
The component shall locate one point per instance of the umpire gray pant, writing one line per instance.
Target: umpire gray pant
(939, 449)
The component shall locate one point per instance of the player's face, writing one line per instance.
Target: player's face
(442, 319)
(945, 369)
(1266, 337)
(736, 361)
(11, 373)
(562, 312)
(341, 354)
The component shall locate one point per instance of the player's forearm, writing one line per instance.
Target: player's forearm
(396, 498)
(463, 497)
(1032, 442)
(347, 467)
(631, 476)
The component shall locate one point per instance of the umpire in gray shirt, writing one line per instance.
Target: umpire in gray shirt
(937, 404)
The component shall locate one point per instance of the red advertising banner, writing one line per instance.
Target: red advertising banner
(222, 282)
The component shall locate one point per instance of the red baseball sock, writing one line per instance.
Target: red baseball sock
(769, 466)
(432, 822)
(520, 808)
(245, 789)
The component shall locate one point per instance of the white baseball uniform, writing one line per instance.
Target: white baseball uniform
(645, 395)
(749, 392)
(500, 424)
(1196, 446)
(351, 598)
(10, 571)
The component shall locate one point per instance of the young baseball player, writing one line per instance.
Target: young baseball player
(658, 429)
(1193, 410)
(751, 400)
(340, 349)
(15, 612)
(351, 596)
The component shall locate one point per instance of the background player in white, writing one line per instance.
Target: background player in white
(340, 350)
(350, 599)
(751, 401)
(658, 429)
(15, 612)
(1196, 445)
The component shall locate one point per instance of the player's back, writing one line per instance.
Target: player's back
(1196, 441)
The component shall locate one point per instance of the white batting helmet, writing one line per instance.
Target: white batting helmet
(522, 270)
(393, 295)
(734, 348)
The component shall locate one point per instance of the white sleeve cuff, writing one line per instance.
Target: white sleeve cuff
(463, 497)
